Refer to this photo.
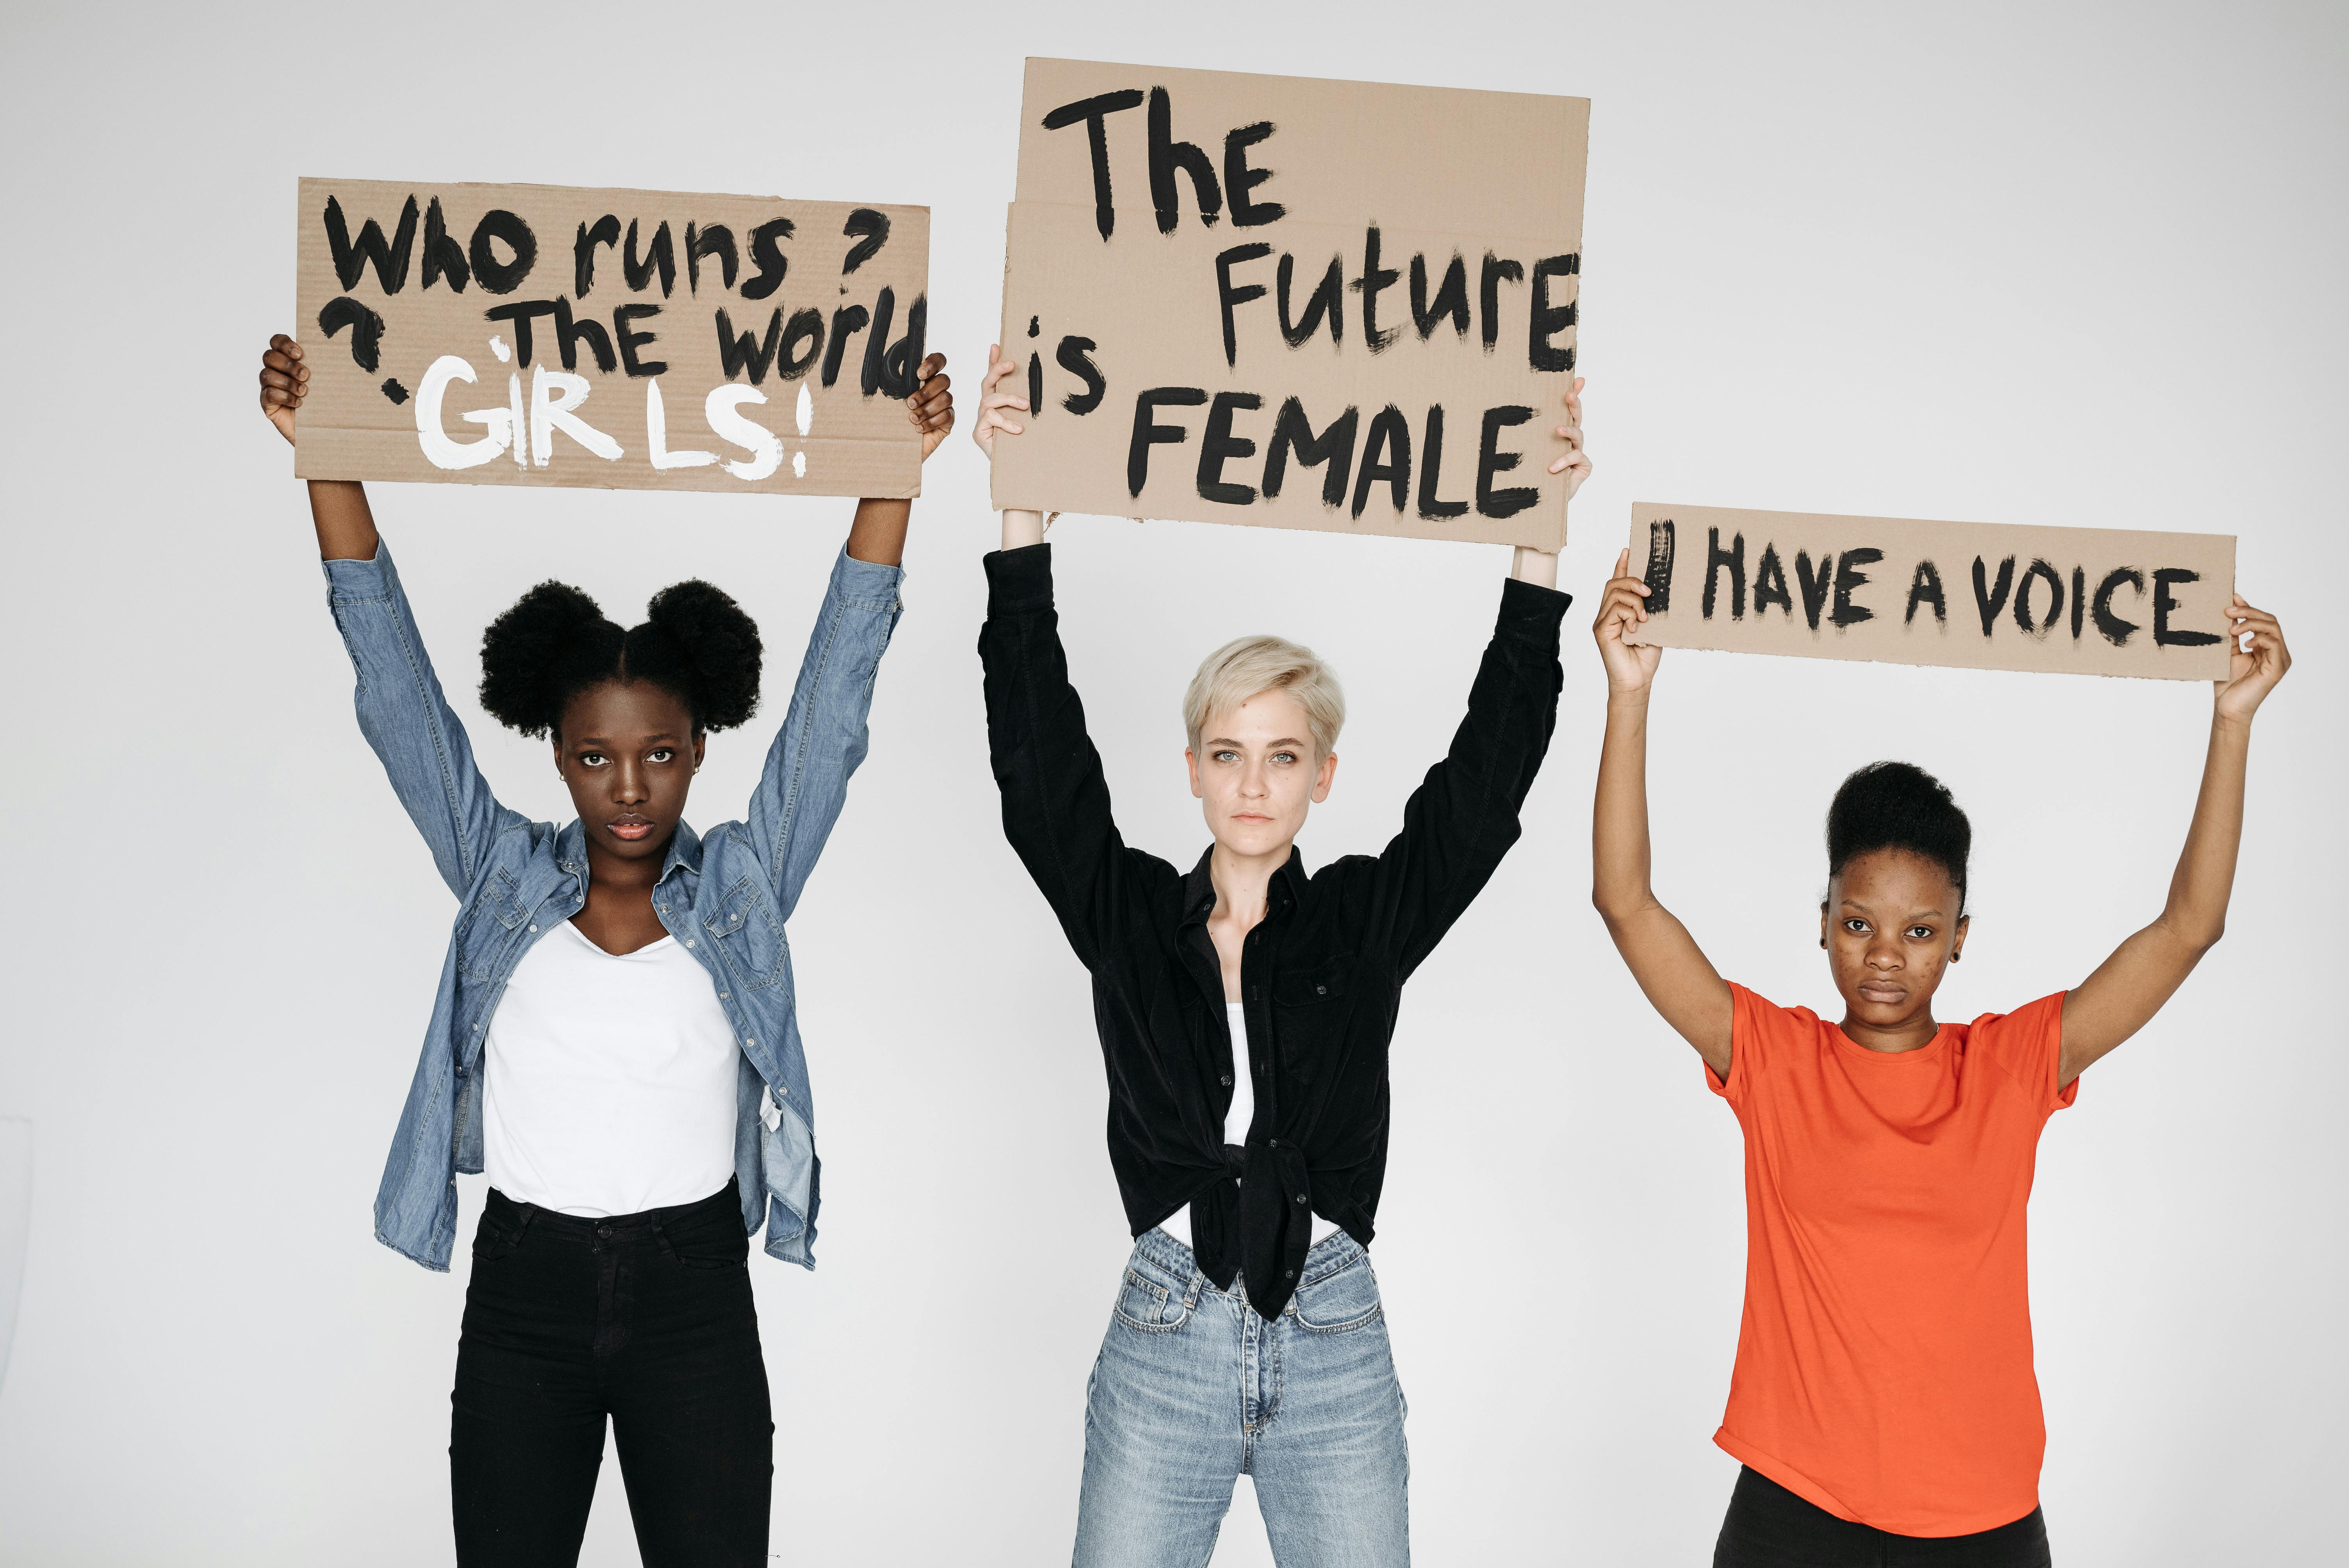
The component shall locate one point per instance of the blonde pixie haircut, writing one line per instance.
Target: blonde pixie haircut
(1250, 666)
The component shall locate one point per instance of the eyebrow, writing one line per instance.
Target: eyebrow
(1855, 905)
(1284, 740)
(661, 737)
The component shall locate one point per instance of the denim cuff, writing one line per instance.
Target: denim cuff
(359, 582)
(865, 583)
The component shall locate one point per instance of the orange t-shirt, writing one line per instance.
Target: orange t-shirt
(1884, 1360)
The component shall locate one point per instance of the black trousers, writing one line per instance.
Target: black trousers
(646, 1319)
(1769, 1527)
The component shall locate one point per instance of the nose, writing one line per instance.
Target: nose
(628, 787)
(1884, 952)
(1253, 783)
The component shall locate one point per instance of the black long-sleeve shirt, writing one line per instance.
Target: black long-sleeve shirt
(1321, 975)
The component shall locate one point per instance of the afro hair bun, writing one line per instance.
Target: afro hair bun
(555, 642)
(1899, 806)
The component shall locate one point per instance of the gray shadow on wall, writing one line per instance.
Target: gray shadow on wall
(15, 1224)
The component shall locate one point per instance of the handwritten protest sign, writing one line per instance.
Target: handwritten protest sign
(1978, 596)
(1293, 303)
(638, 339)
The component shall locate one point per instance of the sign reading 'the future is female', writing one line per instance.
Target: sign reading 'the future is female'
(638, 339)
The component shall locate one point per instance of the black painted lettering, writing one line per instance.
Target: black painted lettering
(1218, 446)
(569, 333)
(442, 256)
(661, 255)
(2110, 627)
(847, 323)
(1849, 580)
(1431, 467)
(1075, 356)
(1659, 575)
(1716, 558)
(1292, 432)
(901, 367)
(2038, 571)
(2079, 600)
(806, 326)
(1496, 271)
(1092, 112)
(390, 258)
(1386, 455)
(1373, 279)
(1326, 300)
(1148, 432)
(1549, 320)
(736, 354)
(500, 227)
(2165, 636)
(630, 341)
(717, 240)
(876, 343)
(367, 330)
(1491, 462)
(1770, 585)
(1239, 179)
(766, 255)
(1167, 156)
(1451, 297)
(1925, 588)
(1035, 384)
(519, 315)
(606, 231)
(872, 228)
(1814, 588)
(1990, 601)
(1229, 297)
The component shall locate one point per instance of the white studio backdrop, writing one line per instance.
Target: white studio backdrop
(2021, 264)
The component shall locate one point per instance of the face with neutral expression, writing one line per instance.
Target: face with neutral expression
(1256, 773)
(627, 751)
(1891, 927)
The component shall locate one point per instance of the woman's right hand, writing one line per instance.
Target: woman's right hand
(992, 401)
(1631, 667)
(283, 380)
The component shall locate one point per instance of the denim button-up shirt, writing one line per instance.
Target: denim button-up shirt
(724, 895)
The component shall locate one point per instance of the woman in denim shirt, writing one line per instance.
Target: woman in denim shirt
(614, 1033)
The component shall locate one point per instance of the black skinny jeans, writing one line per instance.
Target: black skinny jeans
(1769, 1527)
(643, 1318)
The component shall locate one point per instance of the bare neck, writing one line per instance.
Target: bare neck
(1241, 882)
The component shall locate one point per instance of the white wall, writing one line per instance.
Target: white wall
(2024, 264)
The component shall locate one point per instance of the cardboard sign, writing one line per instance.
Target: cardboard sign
(1293, 303)
(638, 339)
(1977, 595)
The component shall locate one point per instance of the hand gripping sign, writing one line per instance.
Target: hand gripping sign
(1292, 302)
(1976, 595)
(633, 339)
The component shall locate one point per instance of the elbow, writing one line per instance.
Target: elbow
(1612, 907)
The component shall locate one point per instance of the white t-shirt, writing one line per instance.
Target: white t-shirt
(609, 1079)
(1236, 1123)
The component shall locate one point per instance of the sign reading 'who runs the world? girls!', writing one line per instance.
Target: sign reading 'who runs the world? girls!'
(544, 334)
(1975, 595)
(1293, 303)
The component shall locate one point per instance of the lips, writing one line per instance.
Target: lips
(630, 829)
(1884, 993)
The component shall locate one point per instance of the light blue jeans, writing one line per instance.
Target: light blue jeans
(1193, 1389)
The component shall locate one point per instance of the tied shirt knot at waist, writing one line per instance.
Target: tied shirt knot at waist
(1258, 1225)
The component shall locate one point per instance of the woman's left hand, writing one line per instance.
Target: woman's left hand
(1575, 464)
(2253, 671)
(931, 407)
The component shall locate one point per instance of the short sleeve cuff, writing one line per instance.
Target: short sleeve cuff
(1532, 613)
(1020, 579)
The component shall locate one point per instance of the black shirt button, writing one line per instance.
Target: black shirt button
(1320, 990)
(1227, 1080)
(1272, 1143)
(1292, 1274)
(1300, 1197)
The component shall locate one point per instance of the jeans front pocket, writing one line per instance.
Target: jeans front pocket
(707, 1249)
(1339, 1302)
(1150, 1306)
(494, 1239)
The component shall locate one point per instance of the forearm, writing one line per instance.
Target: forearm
(1538, 567)
(1618, 825)
(1023, 529)
(2205, 879)
(339, 510)
(878, 533)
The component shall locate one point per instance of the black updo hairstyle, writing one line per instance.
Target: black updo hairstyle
(694, 643)
(1899, 806)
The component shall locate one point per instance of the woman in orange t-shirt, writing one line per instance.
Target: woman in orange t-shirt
(1883, 1404)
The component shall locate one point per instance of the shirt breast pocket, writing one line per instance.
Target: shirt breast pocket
(1315, 986)
(748, 936)
(493, 929)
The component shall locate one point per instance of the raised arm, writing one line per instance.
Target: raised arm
(1680, 980)
(2128, 988)
(402, 711)
(823, 737)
